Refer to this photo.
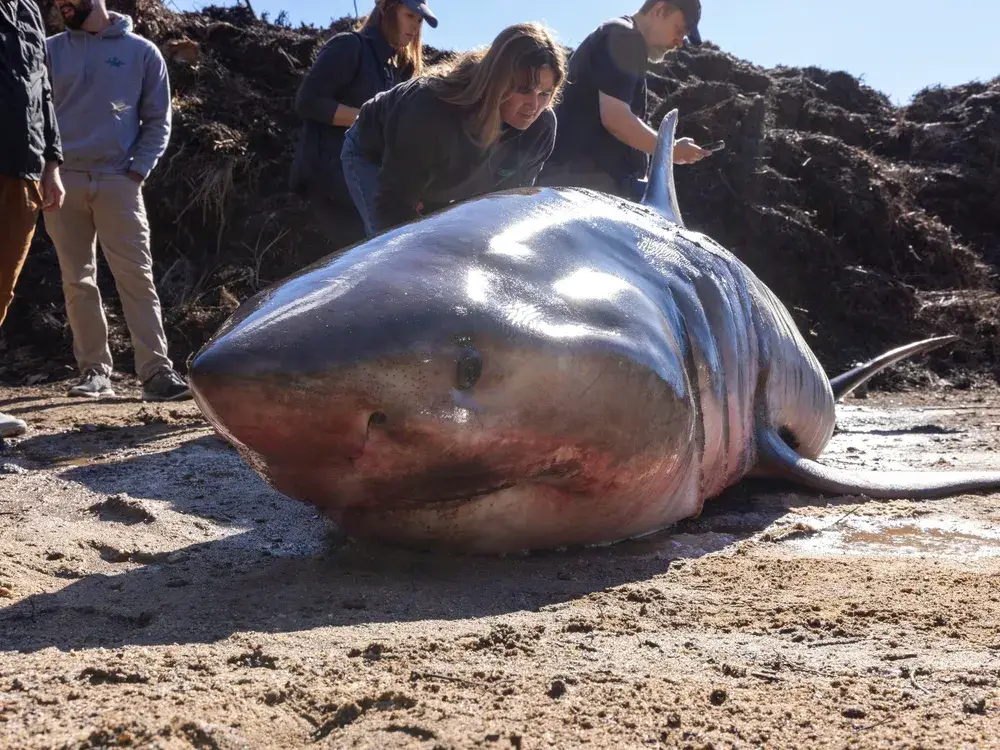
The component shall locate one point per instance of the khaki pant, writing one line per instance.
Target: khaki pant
(20, 202)
(108, 207)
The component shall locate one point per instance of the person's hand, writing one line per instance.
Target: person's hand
(135, 177)
(686, 151)
(53, 191)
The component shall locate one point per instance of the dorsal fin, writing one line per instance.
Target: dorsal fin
(660, 192)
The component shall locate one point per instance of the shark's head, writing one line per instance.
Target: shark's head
(471, 371)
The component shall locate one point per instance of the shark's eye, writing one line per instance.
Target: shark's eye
(470, 367)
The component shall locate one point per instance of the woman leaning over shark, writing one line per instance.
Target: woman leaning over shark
(481, 124)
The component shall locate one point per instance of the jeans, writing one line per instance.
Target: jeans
(362, 179)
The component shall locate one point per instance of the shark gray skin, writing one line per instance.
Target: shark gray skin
(532, 369)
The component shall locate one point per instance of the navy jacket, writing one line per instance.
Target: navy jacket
(350, 69)
(29, 133)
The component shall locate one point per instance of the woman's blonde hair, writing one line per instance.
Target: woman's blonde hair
(481, 80)
(384, 17)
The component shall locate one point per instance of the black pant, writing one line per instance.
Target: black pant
(338, 221)
(586, 175)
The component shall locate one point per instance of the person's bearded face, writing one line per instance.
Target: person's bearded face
(74, 12)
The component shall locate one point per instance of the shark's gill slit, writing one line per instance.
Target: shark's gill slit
(786, 434)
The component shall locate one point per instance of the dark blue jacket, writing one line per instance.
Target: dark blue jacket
(29, 134)
(350, 69)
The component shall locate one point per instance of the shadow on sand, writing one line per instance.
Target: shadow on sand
(277, 567)
(88, 441)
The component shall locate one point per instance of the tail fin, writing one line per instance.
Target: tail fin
(779, 461)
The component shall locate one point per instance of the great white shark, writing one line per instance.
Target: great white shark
(532, 369)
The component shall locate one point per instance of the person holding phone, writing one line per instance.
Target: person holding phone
(482, 124)
(351, 68)
(604, 142)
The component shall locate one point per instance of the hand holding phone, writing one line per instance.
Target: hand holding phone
(686, 151)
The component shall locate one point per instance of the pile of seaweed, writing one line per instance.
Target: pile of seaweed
(874, 224)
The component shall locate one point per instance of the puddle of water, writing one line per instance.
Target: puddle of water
(683, 545)
(886, 536)
(705, 536)
(64, 461)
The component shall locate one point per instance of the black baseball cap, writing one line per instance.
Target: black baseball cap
(419, 6)
(692, 16)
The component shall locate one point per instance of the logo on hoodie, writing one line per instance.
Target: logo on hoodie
(114, 62)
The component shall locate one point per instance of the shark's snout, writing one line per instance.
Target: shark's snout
(285, 418)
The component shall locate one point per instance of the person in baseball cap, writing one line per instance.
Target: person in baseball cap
(692, 15)
(384, 49)
(603, 141)
(418, 6)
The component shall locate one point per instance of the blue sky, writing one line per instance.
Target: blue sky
(896, 46)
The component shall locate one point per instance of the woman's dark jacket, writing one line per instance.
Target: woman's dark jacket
(350, 69)
(426, 155)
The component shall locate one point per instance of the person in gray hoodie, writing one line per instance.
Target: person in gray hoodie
(112, 100)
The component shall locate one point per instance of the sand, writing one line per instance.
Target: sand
(154, 592)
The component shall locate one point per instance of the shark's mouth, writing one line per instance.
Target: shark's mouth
(428, 496)
(461, 484)
(456, 498)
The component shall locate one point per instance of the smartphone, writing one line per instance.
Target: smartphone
(717, 146)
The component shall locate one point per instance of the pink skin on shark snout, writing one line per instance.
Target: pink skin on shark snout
(527, 459)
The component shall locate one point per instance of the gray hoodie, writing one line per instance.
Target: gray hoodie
(112, 98)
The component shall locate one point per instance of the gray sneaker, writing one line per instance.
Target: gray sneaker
(165, 385)
(92, 385)
(11, 426)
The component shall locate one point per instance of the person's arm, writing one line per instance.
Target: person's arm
(619, 120)
(335, 66)
(154, 116)
(622, 123)
(414, 149)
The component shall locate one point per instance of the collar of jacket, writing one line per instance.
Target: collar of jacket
(383, 50)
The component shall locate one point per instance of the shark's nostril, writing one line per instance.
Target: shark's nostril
(377, 419)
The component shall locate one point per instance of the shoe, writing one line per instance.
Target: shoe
(166, 385)
(11, 426)
(92, 385)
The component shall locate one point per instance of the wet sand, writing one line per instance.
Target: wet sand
(154, 592)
